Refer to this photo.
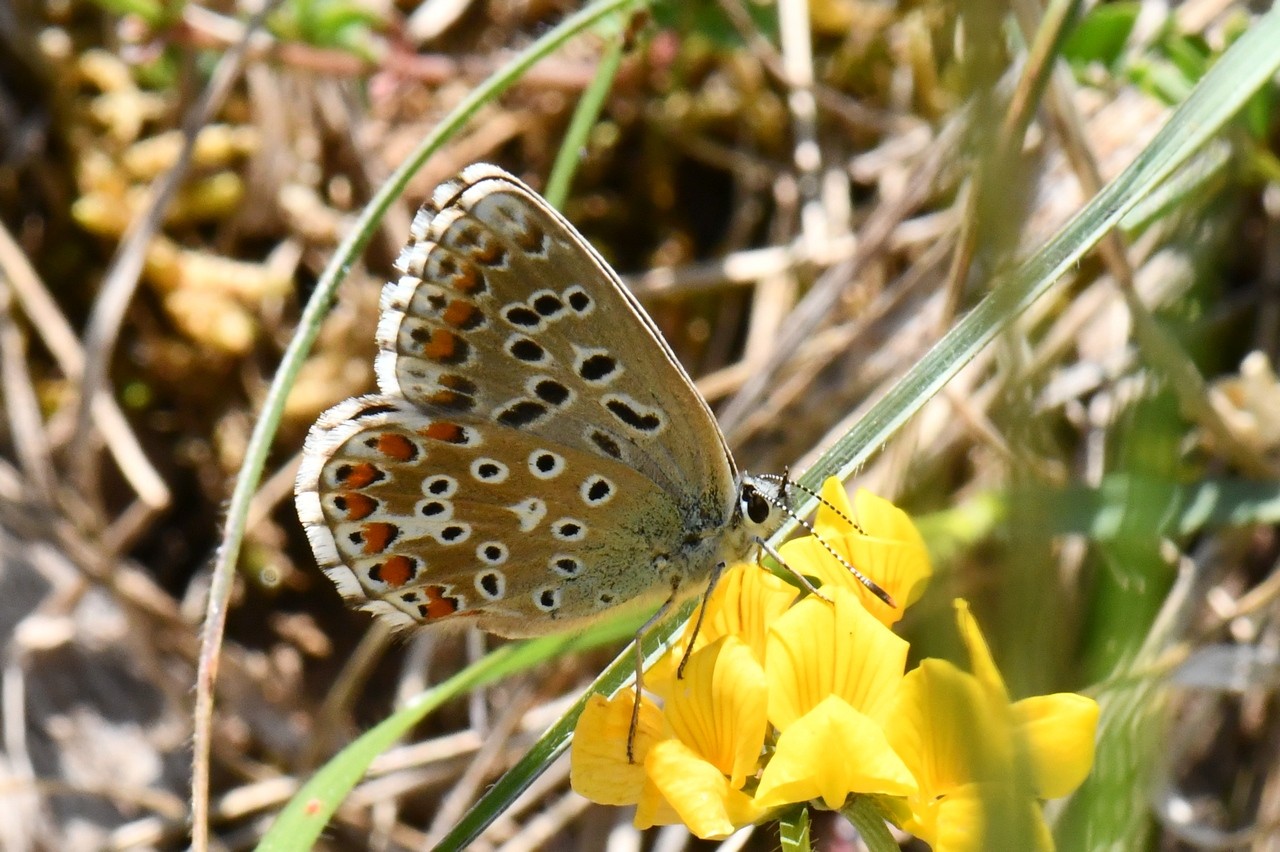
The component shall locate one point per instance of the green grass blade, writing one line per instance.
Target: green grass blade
(584, 118)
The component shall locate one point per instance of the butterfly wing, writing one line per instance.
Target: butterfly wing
(425, 518)
(505, 313)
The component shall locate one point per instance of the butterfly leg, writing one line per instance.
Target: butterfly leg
(654, 619)
(702, 612)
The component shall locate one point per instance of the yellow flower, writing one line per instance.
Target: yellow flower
(788, 698)
(885, 546)
(693, 757)
(818, 649)
(833, 672)
(598, 765)
(974, 754)
(1058, 730)
(743, 604)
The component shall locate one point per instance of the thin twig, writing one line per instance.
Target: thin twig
(57, 335)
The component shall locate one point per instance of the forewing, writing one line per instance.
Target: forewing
(505, 313)
(428, 519)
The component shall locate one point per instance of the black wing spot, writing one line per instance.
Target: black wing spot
(440, 485)
(642, 422)
(522, 316)
(372, 411)
(522, 413)
(598, 490)
(598, 367)
(549, 390)
(567, 566)
(548, 305)
(607, 445)
(527, 350)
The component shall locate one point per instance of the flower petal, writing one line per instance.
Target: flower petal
(819, 649)
(720, 708)
(981, 817)
(948, 731)
(981, 663)
(1058, 732)
(598, 765)
(653, 808)
(884, 546)
(830, 752)
(699, 792)
(745, 602)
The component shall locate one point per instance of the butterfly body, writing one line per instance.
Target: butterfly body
(536, 455)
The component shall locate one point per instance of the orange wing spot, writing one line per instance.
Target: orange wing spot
(378, 535)
(397, 447)
(358, 506)
(461, 314)
(449, 399)
(468, 280)
(531, 238)
(443, 346)
(443, 430)
(397, 570)
(358, 475)
(491, 253)
(459, 383)
(438, 605)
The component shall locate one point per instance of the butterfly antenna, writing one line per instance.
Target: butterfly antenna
(783, 481)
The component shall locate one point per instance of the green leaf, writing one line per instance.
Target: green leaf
(1101, 35)
(869, 820)
(793, 830)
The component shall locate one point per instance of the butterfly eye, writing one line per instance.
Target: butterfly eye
(755, 505)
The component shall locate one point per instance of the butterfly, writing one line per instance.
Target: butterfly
(535, 456)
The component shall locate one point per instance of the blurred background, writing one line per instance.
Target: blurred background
(805, 198)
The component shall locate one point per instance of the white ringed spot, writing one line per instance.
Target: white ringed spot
(579, 301)
(436, 510)
(565, 565)
(569, 529)
(492, 552)
(440, 485)
(549, 390)
(639, 418)
(544, 464)
(489, 470)
(492, 585)
(597, 490)
(547, 599)
(597, 367)
(451, 533)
